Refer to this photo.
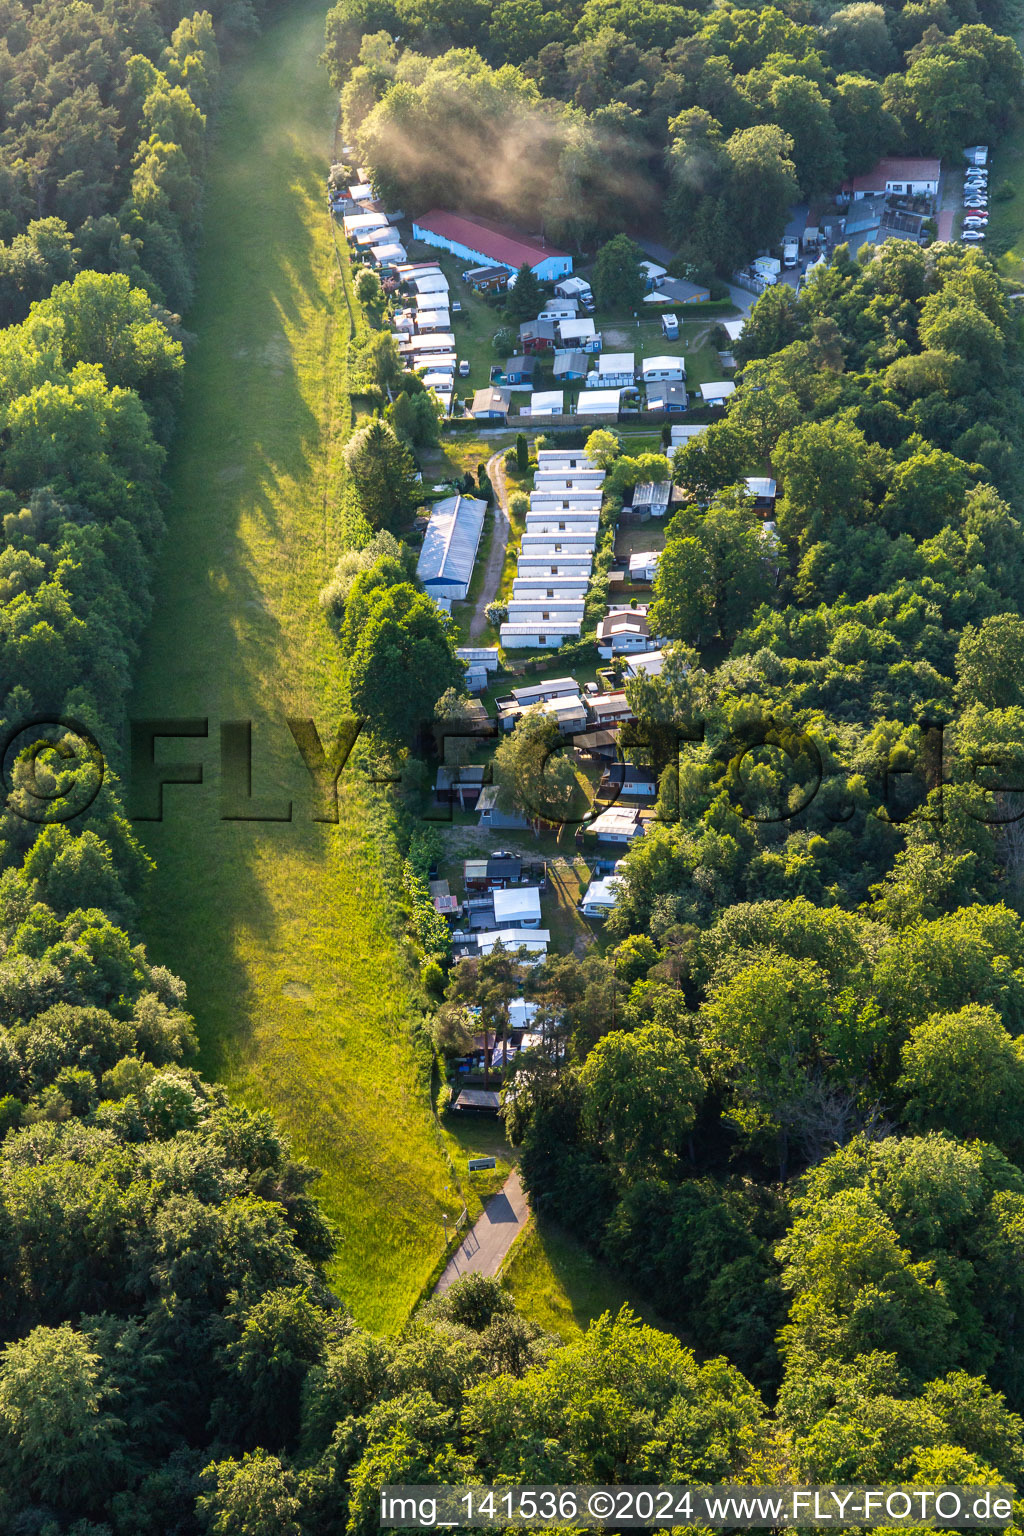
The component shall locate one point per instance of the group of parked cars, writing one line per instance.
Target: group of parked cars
(975, 225)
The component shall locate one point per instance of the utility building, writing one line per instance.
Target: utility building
(450, 544)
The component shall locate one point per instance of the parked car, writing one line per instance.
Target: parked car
(464, 369)
(973, 235)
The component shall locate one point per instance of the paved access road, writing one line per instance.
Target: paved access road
(491, 1236)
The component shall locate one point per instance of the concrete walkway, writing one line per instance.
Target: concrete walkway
(743, 300)
(491, 1236)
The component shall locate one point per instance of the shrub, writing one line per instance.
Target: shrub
(432, 977)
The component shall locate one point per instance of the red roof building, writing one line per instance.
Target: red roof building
(915, 177)
(481, 240)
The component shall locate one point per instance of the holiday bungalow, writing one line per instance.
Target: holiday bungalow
(762, 489)
(537, 336)
(564, 522)
(599, 402)
(892, 176)
(651, 497)
(608, 708)
(488, 813)
(547, 402)
(643, 564)
(649, 665)
(623, 631)
(674, 290)
(580, 334)
(490, 404)
(520, 370)
(574, 566)
(618, 824)
(487, 279)
(517, 907)
(567, 544)
(564, 480)
(546, 610)
(717, 393)
(562, 460)
(570, 365)
(629, 780)
(683, 435)
(556, 589)
(538, 636)
(667, 397)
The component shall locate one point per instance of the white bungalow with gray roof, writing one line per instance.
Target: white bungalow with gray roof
(538, 636)
(573, 588)
(573, 479)
(562, 522)
(550, 610)
(563, 458)
(565, 501)
(578, 564)
(558, 546)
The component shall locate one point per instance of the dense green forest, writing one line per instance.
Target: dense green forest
(704, 122)
(791, 1096)
(786, 1102)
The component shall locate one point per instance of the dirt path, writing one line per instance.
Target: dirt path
(499, 543)
(491, 1236)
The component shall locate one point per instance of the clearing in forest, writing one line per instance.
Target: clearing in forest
(279, 927)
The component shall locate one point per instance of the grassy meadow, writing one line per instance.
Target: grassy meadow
(280, 928)
(556, 1283)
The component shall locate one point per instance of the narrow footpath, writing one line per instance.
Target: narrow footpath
(488, 1241)
(499, 543)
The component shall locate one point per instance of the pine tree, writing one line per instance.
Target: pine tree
(526, 299)
(384, 474)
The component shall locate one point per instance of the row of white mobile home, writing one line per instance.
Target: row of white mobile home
(556, 553)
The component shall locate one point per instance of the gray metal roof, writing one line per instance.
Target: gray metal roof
(451, 540)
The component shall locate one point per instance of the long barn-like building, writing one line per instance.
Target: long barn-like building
(450, 543)
(491, 244)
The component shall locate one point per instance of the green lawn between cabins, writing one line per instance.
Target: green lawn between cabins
(303, 1001)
